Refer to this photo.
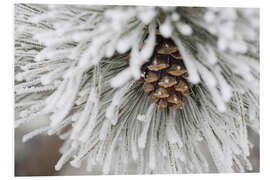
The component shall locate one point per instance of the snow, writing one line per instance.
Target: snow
(217, 99)
(148, 119)
(91, 56)
(64, 158)
(189, 61)
(134, 150)
(105, 129)
(119, 17)
(124, 44)
(141, 117)
(137, 58)
(226, 30)
(90, 126)
(87, 95)
(171, 133)
(33, 116)
(121, 78)
(206, 75)
(34, 133)
(146, 14)
(222, 44)
(185, 29)
(152, 153)
(207, 53)
(80, 123)
(226, 89)
(228, 13)
(107, 163)
(113, 109)
(175, 16)
(166, 28)
(209, 17)
(238, 46)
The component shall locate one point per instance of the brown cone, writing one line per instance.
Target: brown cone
(166, 77)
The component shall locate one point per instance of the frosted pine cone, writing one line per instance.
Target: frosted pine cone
(165, 75)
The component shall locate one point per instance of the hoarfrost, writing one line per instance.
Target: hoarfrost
(80, 66)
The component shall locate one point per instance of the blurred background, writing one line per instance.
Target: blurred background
(38, 156)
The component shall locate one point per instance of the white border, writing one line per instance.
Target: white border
(6, 82)
(215, 3)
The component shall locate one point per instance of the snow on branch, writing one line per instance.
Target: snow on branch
(81, 66)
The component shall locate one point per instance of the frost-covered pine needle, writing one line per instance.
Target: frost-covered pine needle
(80, 66)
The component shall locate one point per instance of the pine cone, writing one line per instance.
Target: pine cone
(165, 75)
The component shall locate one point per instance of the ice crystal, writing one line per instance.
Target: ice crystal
(80, 66)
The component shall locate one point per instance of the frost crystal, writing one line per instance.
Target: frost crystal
(80, 66)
